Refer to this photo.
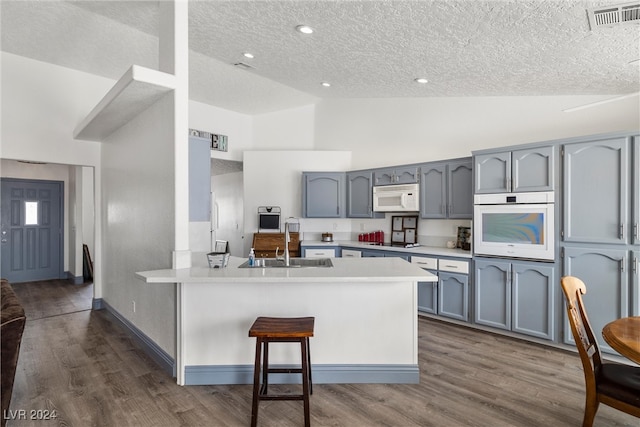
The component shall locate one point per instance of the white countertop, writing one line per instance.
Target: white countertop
(418, 250)
(353, 270)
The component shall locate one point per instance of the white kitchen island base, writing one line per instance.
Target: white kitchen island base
(365, 327)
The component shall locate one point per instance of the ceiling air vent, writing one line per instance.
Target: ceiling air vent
(607, 16)
(243, 66)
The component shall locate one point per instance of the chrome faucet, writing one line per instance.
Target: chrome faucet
(287, 239)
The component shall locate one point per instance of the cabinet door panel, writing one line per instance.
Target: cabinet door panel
(493, 294)
(607, 283)
(384, 177)
(493, 172)
(433, 191)
(359, 194)
(453, 296)
(460, 190)
(322, 196)
(428, 296)
(596, 195)
(533, 169)
(406, 175)
(533, 288)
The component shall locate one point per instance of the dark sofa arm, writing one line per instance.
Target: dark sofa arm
(11, 328)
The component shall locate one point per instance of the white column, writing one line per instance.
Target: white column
(174, 59)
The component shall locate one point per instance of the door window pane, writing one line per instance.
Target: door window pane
(31, 213)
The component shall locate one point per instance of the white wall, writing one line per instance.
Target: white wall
(238, 127)
(274, 178)
(41, 105)
(384, 132)
(291, 129)
(139, 218)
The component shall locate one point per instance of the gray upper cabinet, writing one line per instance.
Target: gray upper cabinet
(360, 195)
(446, 189)
(460, 189)
(515, 296)
(199, 179)
(396, 175)
(323, 194)
(596, 191)
(433, 189)
(493, 172)
(531, 169)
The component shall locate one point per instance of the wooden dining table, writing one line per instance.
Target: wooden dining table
(623, 335)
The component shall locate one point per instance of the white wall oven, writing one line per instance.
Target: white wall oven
(515, 225)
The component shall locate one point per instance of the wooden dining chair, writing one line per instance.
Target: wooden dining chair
(613, 384)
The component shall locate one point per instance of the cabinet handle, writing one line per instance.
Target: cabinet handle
(635, 230)
(623, 261)
(622, 231)
(450, 210)
(635, 266)
(451, 266)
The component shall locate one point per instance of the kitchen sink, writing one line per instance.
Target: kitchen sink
(293, 263)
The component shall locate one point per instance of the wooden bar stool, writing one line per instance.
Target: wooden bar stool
(281, 329)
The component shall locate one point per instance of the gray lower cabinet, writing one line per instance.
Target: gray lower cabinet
(446, 189)
(515, 296)
(323, 194)
(360, 195)
(428, 296)
(453, 295)
(449, 296)
(606, 274)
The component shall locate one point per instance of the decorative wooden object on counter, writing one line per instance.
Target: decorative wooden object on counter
(265, 244)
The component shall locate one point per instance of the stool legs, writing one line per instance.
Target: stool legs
(306, 374)
(262, 363)
(256, 384)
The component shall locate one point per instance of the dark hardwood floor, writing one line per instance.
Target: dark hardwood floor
(82, 365)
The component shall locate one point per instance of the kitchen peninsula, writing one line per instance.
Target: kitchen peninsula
(365, 310)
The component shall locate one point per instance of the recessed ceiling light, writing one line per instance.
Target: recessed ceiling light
(421, 80)
(304, 29)
(248, 55)
(325, 84)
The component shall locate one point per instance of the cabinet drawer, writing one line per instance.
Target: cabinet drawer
(454, 266)
(425, 262)
(350, 253)
(320, 253)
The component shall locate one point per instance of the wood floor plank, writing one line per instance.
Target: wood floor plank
(84, 366)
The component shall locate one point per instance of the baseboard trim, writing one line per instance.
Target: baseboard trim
(76, 280)
(322, 374)
(161, 357)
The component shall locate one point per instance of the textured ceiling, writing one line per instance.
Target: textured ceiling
(363, 48)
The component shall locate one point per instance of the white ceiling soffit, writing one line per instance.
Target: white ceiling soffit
(365, 49)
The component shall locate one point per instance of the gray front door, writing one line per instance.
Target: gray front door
(31, 230)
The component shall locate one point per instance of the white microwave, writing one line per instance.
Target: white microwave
(396, 198)
(515, 225)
